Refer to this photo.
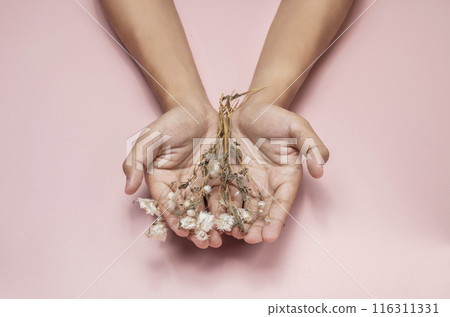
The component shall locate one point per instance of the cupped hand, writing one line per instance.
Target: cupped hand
(276, 166)
(166, 156)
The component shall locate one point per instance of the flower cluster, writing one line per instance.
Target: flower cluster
(214, 164)
(149, 205)
(158, 230)
(199, 222)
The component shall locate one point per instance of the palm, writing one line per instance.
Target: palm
(172, 161)
(276, 170)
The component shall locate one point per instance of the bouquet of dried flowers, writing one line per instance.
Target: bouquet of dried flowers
(223, 161)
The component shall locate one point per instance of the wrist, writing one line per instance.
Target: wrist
(197, 106)
(198, 111)
(281, 86)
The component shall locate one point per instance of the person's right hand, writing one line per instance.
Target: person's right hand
(178, 164)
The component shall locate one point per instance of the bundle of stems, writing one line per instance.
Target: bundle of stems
(223, 161)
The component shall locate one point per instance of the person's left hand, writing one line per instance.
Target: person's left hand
(278, 181)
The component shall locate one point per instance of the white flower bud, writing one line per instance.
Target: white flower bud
(173, 199)
(213, 169)
(261, 205)
(149, 205)
(207, 189)
(213, 174)
(190, 212)
(186, 204)
(245, 215)
(172, 196)
(187, 223)
(157, 231)
(201, 235)
(225, 222)
(205, 221)
(267, 219)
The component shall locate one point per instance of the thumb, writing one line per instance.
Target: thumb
(140, 158)
(310, 146)
(134, 178)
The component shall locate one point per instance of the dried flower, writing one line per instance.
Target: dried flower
(172, 196)
(187, 223)
(205, 221)
(157, 231)
(213, 169)
(245, 215)
(214, 164)
(201, 235)
(173, 199)
(207, 189)
(149, 205)
(225, 222)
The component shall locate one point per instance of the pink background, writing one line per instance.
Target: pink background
(70, 97)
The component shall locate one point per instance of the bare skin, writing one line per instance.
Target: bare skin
(152, 32)
(278, 181)
(300, 32)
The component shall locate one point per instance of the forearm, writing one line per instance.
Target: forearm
(153, 34)
(300, 32)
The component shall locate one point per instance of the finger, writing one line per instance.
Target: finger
(216, 209)
(215, 240)
(214, 204)
(254, 234)
(159, 191)
(315, 160)
(202, 244)
(279, 209)
(236, 201)
(172, 223)
(237, 233)
(172, 220)
(310, 146)
(134, 178)
(141, 157)
(198, 243)
(252, 203)
(314, 169)
(236, 197)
